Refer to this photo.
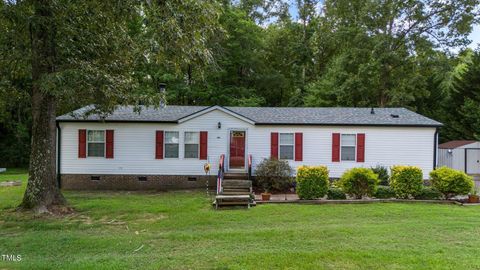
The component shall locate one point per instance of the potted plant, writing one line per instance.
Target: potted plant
(473, 197)
(266, 195)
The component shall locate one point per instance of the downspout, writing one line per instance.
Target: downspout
(59, 153)
(435, 147)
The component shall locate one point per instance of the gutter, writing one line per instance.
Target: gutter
(59, 154)
(435, 146)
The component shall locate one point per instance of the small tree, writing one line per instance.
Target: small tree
(451, 182)
(359, 182)
(274, 175)
(382, 173)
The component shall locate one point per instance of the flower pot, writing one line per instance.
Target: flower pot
(473, 199)
(266, 196)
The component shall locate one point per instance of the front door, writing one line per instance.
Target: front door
(237, 149)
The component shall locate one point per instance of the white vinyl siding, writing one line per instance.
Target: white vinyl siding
(135, 146)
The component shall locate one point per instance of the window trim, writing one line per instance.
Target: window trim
(198, 144)
(355, 147)
(165, 143)
(104, 143)
(280, 144)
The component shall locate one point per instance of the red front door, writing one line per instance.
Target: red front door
(237, 149)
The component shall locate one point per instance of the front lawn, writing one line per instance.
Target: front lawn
(180, 230)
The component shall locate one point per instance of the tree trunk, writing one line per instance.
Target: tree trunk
(42, 191)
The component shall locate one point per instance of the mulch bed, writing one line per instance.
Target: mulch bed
(359, 201)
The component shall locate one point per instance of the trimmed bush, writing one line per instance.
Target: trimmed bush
(384, 192)
(451, 182)
(382, 173)
(274, 175)
(312, 182)
(359, 182)
(429, 193)
(334, 193)
(406, 181)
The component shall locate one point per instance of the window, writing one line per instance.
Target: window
(286, 146)
(192, 142)
(96, 143)
(171, 144)
(348, 144)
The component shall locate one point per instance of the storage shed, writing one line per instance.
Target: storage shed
(463, 155)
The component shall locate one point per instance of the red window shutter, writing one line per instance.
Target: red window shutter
(274, 145)
(82, 143)
(203, 144)
(298, 146)
(360, 147)
(335, 147)
(159, 144)
(109, 141)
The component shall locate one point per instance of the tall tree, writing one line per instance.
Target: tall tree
(462, 105)
(378, 46)
(87, 53)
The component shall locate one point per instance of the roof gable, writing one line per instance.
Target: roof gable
(213, 108)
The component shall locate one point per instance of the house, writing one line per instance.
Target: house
(168, 147)
(463, 155)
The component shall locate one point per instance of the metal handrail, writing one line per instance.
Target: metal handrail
(221, 171)
(249, 167)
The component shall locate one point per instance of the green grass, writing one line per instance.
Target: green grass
(180, 230)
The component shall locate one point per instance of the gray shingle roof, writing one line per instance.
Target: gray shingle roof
(269, 115)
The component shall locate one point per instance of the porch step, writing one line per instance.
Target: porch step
(236, 183)
(235, 192)
(232, 200)
(237, 176)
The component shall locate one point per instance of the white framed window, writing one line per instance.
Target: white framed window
(96, 143)
(348, 147)
(192, 144)
(171, 142)
(286, 146)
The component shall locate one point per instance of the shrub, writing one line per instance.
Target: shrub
(382, 173)
(312, 182)
(274, 175)
(384, 192)
(429, 193)
(334, 193)
(451, 182)
(406, 181)
(359, 182)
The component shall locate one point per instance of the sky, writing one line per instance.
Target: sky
(475, 37)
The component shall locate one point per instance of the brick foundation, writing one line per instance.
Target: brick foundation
(133, 182)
